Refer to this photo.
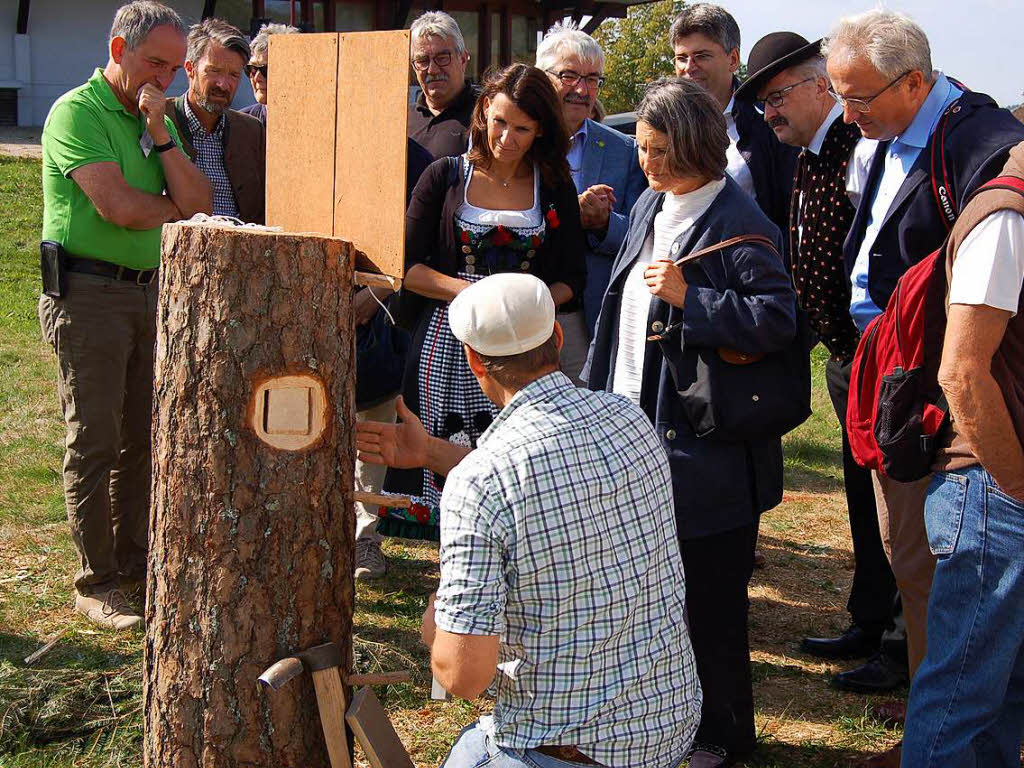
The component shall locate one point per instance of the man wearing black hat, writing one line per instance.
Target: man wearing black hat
(789, 86)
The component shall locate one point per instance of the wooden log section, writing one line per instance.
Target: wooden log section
(251, 533)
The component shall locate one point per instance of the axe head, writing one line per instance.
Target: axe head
(316, 658)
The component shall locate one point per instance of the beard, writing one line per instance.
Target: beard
(205, 101)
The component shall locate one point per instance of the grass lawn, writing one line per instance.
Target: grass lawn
(80, 705)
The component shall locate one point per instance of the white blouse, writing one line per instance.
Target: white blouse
(677, 216)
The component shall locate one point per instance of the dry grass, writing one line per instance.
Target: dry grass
(80, 705)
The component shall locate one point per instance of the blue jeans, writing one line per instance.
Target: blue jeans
(966, 707)
(475, 749)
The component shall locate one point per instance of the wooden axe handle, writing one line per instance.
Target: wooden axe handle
(330, 700)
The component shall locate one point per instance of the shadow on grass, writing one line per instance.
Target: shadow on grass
(72, 652)
(774, 754)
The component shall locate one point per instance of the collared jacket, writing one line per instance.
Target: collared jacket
(977, 137)
(609, 157)
(772, 164)
(245, 157)
(741, 298)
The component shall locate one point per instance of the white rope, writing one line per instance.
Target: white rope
(228, 221)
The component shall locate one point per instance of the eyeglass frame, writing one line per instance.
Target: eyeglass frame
(250, 69)
(422, 63)
(863, 105)
(779, 95)
(588, 79)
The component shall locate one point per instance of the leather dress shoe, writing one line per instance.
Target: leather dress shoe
(879, 674)
(888, 759)
(852, 644)
(708, 756)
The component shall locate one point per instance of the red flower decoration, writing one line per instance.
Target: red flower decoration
(501, 237)
(421, 513)
(535, 241)
(552, 217)
(465, 236)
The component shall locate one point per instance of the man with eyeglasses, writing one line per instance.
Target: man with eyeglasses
(439, 119)
(789, 85)
(229, 147)
(605, 170)
(706, 49)
(937, 143)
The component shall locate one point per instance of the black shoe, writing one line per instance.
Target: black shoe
(708, 756)
(854, 643)
(879, 674)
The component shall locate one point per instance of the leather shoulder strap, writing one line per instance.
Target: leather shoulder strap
(763, 240)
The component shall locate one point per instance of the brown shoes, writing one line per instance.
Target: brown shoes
(887, 759)
(110, 610)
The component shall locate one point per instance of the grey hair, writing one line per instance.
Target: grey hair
(891, 41)
(712, 21)
(813, 67)
(215, 30)
(438, 24)
(134, 21)
(259, 44)
(567, 38)
(694, 124)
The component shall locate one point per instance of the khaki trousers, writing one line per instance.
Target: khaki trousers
(575, 345)
(901, 523)
(370, 477)
(103, 332)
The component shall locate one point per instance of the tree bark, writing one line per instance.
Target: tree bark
(251, 546)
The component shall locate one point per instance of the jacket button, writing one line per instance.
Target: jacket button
(657, 326)
(531, 253)
(675, 247)
(525, 265)
(471, 259)
(466, 249)
(670, 434)
(470, 270)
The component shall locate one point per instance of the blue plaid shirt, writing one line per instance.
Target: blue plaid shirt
(558, 535)
(210, 160)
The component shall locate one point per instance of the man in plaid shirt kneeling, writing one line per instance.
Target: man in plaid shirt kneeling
(561, 580)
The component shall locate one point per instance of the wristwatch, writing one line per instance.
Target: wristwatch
(164, 147)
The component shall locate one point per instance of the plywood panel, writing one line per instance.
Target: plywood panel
(373, 103)
(374, 732)
(302, 98)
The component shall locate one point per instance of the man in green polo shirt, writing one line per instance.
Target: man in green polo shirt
(112, 176)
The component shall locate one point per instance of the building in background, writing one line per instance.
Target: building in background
(50, 46)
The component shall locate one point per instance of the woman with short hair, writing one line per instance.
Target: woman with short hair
(506, 205)
(739, 298)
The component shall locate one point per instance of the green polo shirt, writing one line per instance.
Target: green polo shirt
(89, 125)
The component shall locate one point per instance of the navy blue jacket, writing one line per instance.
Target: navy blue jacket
(741, 298)
(978, 139)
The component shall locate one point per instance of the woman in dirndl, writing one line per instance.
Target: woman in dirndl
(506, 205)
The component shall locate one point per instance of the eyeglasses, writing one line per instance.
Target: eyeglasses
(863, 105)
(422, 63)
(571, 79)
(252, 69)
(777, 98)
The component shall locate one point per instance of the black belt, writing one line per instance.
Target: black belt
(106, 269)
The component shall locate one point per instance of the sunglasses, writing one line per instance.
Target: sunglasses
(252, 69)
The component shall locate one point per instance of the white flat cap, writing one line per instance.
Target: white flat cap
(503, 314)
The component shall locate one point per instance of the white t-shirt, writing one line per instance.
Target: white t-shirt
(677, 215)
(989, 266)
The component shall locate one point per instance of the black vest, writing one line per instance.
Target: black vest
(824, 214)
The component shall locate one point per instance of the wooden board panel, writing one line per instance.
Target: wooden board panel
(369, 187)
(301, 108)
(374, 732)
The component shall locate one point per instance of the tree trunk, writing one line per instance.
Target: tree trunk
(251, 533)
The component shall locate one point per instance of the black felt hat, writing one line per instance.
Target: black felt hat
(772, 54)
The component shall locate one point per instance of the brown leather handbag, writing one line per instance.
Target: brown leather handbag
(736, 396)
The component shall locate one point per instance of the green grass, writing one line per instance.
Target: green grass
(81, 704)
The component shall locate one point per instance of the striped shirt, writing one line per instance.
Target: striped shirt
(558, 535)
(677, 216)
(210, 160)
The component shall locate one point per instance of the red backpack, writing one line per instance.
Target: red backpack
(897, 412)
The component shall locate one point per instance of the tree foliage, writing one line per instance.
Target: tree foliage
(636, 51)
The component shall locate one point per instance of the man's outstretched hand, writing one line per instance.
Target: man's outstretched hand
(402, 445)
